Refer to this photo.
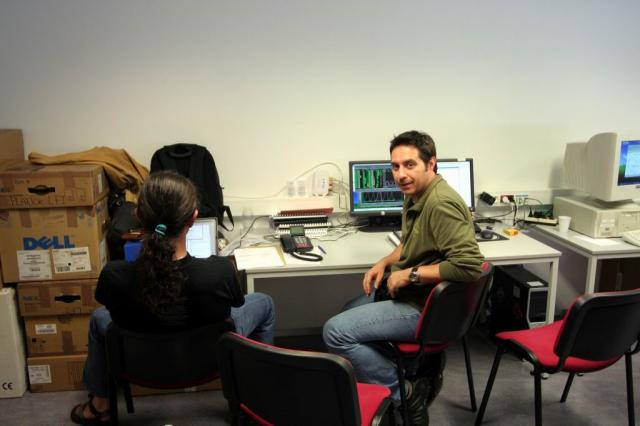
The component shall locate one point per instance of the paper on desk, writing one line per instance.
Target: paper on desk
(257, 257)
(598, 241)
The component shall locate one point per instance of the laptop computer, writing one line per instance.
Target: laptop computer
(202, 238)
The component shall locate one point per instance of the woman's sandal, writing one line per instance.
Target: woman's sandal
(77, 415)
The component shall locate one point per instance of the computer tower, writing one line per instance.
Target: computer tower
(518, 299)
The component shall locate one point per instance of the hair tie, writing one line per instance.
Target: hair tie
(161, 229)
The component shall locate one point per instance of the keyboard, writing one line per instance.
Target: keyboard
(632, 237)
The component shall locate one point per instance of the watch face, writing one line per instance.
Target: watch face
(413, 275)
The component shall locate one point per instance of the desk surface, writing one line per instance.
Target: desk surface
(590, 246)
(361, 250)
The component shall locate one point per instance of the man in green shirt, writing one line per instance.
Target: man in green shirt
(438, 243)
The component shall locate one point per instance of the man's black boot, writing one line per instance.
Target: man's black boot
(432, 370)
(417, 402)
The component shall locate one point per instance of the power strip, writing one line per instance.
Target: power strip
(541, 221)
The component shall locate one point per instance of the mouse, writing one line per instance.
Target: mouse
(486, 234)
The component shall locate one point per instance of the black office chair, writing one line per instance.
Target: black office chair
(596, 332)
(160, 361)
(275, 386)
(452, 308)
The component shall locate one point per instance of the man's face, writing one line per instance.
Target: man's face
(411, 174)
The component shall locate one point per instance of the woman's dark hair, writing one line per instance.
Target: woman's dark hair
(425, 144)
(166, 204)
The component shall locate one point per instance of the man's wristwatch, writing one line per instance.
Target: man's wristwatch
(413, 275)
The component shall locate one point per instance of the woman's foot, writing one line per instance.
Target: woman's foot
(93, 412)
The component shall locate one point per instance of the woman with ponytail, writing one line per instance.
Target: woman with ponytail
(165, 289)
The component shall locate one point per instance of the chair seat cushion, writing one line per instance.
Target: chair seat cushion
(541, 341)
(412, 348)
(369, 398)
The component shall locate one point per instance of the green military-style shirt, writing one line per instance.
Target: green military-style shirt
(437, 229)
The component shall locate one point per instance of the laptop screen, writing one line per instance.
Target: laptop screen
(202, 238)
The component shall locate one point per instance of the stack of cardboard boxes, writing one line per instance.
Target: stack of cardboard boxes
(56, 321)
(53, 222)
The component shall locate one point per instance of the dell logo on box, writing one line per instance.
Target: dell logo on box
(30, 243)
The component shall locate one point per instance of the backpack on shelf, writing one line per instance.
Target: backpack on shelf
(123, 222)
(196, 163)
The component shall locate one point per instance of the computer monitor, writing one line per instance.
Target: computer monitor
(375, 195)
(202, 238)
(606, 167)
(459, 175)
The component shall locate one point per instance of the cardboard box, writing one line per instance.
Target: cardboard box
(55, 373)
(28, 186)
(57, 335)
(50, 298)
(13, 380)
(11, 147)
(53, 244)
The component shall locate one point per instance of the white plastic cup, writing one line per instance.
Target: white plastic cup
(563, 224)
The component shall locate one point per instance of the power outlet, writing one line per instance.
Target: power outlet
(506, 198)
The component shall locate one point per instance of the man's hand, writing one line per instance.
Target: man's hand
(397, 280)
(373, 276)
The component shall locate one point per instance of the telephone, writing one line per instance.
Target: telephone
(298, 245)
(296, 241)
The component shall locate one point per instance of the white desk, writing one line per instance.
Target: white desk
(355, 254)
(590, 249)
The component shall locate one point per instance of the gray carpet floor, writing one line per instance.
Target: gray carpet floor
(595, 399)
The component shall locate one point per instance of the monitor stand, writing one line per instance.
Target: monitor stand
(382, 224)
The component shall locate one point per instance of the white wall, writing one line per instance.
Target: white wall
(274, 87)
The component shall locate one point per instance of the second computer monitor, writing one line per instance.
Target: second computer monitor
(459, 175)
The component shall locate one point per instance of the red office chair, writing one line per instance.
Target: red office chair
(597, 330)
(450, 311)
(275, 386)
(161, 361)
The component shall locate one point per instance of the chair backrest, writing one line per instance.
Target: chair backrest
(600, 326)
(165, 361)
(285, 386)
(452, 308)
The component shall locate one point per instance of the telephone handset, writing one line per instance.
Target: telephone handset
(298, 245)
